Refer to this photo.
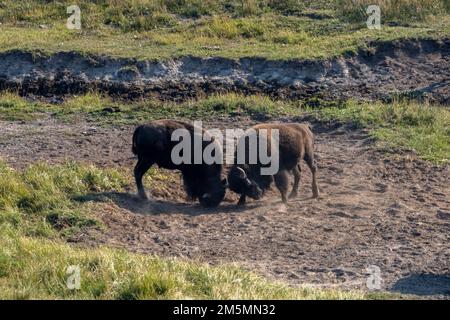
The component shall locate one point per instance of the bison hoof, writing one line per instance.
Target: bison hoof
(142, 196)
(241, 203)
(293, 195)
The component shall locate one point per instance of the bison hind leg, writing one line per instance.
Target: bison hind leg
(309, 158)
(282, 183)
(297, 173)
(140, 169)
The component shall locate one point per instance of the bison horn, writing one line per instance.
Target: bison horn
(242, 173)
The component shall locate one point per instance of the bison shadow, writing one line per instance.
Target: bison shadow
(423, 285)
(134, 204)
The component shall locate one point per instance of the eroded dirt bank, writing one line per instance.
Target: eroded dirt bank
(375, 209)
(416, 68)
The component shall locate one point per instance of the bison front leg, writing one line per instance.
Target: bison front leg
(241, 201)
(141, 168)
(309, 158)
(282, 183)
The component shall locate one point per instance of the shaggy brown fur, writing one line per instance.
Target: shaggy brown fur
(296, 142)
(152, 144)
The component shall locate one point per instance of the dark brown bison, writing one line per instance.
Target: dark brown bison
(296, 142)
(152, 143)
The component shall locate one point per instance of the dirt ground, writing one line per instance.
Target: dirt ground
(375, 209)
(383, 70)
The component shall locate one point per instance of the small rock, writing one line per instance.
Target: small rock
(111, 109)
(441, 214)
(416, 233)
(242, 226)
(163, 225)
(261, 218)
(211, 47)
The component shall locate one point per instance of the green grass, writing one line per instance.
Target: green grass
(163, 29)
(103, 110)
(38, 201)
(399, 125)
(400, 11)
(36, 269)
(37, 208)
(408, 125)
(14, 108)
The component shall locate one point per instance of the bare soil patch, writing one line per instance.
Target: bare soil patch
(375, 209)
(412, 68)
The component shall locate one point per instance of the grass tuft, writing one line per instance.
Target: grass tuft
(38, 201)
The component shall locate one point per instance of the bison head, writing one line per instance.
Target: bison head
(240, 183)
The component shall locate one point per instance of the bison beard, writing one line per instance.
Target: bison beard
(153, 145)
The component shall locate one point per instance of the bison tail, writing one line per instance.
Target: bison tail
(311, 132)
(134, 146)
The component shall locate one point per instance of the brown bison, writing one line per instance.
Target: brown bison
(295, 142)
(152, 143)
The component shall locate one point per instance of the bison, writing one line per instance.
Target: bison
(296, 142)
(152, 144)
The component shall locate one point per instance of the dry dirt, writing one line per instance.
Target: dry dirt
(375, 209)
